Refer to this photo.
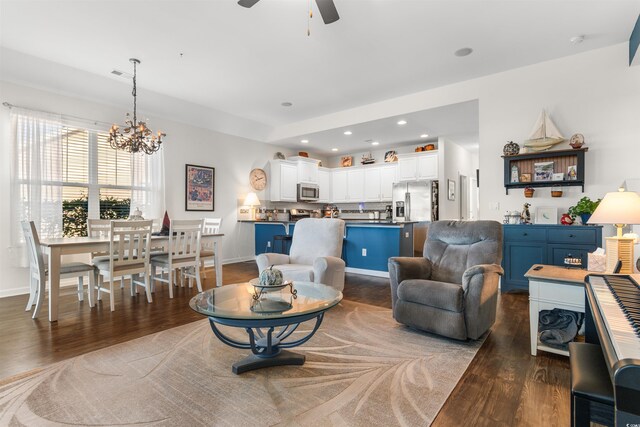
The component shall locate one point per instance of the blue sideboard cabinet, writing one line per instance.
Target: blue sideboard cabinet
(528, 244)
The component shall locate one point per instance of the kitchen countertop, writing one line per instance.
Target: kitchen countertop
(347, 221)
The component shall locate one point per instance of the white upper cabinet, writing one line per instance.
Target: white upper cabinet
(427, 166)
(324, 184)
(339, 186)
(417, 166)
(407, 167)
(372, 184)
(387, 178)
(307, 171)
(283, 181)
(355, 185)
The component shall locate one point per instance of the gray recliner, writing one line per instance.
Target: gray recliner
(453, 290)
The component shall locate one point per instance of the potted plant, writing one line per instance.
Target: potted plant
(584, 208)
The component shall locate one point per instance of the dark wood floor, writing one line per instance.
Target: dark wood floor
(503, 386)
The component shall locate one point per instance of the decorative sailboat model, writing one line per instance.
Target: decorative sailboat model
(544, 135)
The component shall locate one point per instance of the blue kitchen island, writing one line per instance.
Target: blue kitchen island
(367, 244)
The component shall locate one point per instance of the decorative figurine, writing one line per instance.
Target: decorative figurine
(566, 219)
(525, 216)
(511, 149)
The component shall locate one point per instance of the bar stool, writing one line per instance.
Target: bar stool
(285, 242)
(591, 388)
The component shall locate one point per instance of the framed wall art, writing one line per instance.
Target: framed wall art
(199, 188)
(546, 215)
(346, 161)
(451, 189)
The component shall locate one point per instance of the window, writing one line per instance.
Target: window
(63, 173)
(101, 191)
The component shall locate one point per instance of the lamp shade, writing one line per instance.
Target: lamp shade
(619, 207)
(252, 200)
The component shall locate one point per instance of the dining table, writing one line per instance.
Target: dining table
(56, 248)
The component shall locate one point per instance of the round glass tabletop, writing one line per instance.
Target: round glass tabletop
(237, 302)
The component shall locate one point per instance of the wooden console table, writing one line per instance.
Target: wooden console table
(553, 287)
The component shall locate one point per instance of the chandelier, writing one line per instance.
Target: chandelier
(136, 136)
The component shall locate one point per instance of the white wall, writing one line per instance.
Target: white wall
(594, 93)
(232, 157)
(456, 161)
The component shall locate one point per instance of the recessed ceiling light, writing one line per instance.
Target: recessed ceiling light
(347, 132)
(304, 141)
(424, 135)
(402, 122)
(465, 51)
(375, 143)
(286, 104)
(576, 39)
(334, 149)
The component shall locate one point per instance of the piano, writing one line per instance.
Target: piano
(612, 320)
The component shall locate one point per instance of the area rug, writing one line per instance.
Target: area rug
(362, 369)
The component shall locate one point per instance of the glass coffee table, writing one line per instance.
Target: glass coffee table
(269, 321)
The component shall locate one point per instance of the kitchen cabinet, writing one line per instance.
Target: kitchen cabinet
(324, 184)
(387, 178)
(339, 186)
(347, 185)
(283, 181)
(307, 170)
(355, 185)
(528, 244)
(372, 184)
(378, 183)
(427, 167)
(418, 166)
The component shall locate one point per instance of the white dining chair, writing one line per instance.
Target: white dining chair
(100, 228)
(129, 244)
(209, 226)
(38, 273)
(183, 254)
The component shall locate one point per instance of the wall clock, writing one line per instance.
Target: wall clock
(258, 179)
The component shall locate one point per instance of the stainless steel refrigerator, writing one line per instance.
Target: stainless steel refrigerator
(415, 201)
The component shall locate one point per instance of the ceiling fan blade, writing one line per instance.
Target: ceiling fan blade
(247, 3)
(328, 11)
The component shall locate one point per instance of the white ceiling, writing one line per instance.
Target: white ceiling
(245, 62)
(457, 123)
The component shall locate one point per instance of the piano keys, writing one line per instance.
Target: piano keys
(613, 321)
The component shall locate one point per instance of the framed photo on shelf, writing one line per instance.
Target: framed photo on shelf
(543, 171)
(346, 161)
(199, 188)
(558, 177)
(546, 215)
(572, 173)
(525, 177)
(451, 189)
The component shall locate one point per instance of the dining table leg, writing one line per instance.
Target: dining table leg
(217, 250)
(54, 282)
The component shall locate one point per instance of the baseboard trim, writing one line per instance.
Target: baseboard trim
(375, 273)
(238, 259)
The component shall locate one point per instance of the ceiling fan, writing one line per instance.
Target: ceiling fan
(327, 9)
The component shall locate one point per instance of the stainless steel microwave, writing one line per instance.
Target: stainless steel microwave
(308, 192)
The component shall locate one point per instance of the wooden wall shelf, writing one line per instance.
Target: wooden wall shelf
(561, 159)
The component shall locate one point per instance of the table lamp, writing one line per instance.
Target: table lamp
(252, 201)
(618, 208)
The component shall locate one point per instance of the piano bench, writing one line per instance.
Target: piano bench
(591, 388)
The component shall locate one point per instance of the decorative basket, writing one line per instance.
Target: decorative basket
(528, 192)
(511, 149)
(556, 193)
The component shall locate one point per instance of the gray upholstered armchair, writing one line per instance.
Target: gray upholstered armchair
(315, 254)
(453, 290)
